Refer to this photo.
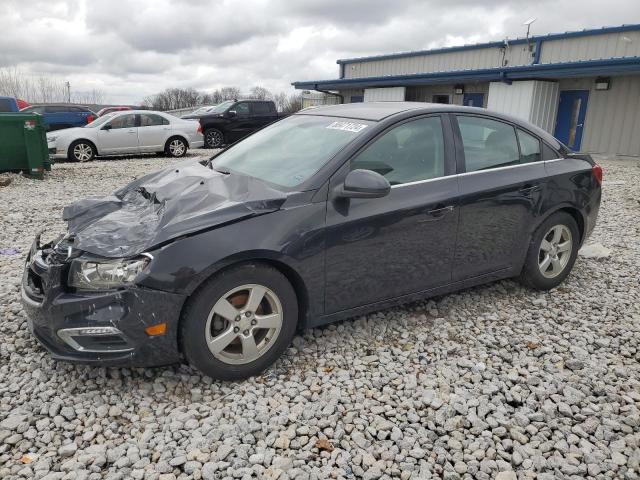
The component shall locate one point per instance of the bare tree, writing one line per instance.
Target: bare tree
(93, 97)
(229, 93)
(173, 98)
(288, 103)
(40, 89)
(260, 93)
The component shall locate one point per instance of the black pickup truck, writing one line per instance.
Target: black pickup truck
(234, 119)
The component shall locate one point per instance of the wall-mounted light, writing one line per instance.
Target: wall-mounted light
(458, 89)
(603, 83)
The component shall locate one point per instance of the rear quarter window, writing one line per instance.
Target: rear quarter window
(549, 153)
(6, 105)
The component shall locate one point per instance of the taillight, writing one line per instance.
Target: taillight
(597, 173)
(199, 127)
(90, 118)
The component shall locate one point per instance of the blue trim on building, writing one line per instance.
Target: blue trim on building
(615, 66)
(516, 41)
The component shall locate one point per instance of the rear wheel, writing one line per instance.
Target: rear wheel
(213, 138)
(552, 252)
(81, 151)
(176, 147)
(239, 322)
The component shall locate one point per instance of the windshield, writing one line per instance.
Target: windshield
(222, 107)
(290, 151)
(100, 120)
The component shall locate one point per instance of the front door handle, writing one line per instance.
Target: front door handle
(529, 189)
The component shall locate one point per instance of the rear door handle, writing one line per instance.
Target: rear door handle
(439, 212)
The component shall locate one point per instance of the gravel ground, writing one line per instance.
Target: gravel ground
(493, 382)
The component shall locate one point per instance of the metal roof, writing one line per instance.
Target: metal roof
(515, 41)
(366, 111)
(612, 66)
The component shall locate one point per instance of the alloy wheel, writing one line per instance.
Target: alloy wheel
(555, 251)
(214, 139)
(82, 152)
(177, 148)
(244, 324)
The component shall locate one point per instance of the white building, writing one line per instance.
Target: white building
(584, 87)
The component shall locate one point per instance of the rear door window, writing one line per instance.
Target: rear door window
(56, 109)
(261, 108)
(487, 143)
(152, 120)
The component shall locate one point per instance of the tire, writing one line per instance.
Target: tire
(81, 151)
(231, 356)
(213, 138)
(176, 147)
(548, 264)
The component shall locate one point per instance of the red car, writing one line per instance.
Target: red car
(111, 109)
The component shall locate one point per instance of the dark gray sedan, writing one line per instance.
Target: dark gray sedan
(330, 213)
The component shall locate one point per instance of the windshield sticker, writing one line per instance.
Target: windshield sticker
(347, 126)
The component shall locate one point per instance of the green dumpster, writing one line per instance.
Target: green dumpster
(23, 144)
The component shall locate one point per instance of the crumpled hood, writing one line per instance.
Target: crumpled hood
(158, 207)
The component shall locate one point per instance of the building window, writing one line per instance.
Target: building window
(441, 98)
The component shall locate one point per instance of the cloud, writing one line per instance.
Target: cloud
(133, 49)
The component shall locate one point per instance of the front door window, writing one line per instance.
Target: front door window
(411, 152)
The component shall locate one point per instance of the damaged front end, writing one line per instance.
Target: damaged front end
(83, 292)
(105, 326)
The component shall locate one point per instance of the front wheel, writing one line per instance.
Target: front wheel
(213, 138)
(240, 322)
(552, 252)
(176, 147)
(81, 151)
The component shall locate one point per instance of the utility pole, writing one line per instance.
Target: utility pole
(68, 85)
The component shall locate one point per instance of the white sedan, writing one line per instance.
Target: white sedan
(126, 132)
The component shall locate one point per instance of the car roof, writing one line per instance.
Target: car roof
(378, 111)
(58, 105)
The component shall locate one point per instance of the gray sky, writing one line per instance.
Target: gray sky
(133, 48)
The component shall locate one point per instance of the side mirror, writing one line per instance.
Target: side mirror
(108, 126)
(232, 113)
(363, 184)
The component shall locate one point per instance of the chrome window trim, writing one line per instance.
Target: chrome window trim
(421, 181)
(475, 172)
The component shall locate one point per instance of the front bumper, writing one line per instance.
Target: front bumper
(116, 319)
(56, 153)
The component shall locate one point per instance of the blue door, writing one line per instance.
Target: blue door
(572, 108)
(473, 100)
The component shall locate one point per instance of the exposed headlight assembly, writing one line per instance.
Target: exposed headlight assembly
(106, 274)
